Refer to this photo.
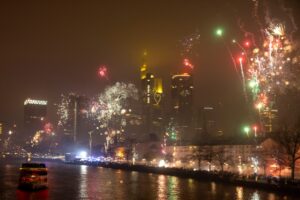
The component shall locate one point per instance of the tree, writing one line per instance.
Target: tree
(289, 145)
(280, 157)
(262, 156)
(198, 155)
(208, 155)
(221, 157)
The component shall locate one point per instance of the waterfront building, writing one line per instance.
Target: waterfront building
(246, 157)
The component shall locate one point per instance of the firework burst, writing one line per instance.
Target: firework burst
(273, 67)
(189, 43)
(109, 107)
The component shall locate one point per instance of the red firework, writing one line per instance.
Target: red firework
(102, 72)
(48, 128)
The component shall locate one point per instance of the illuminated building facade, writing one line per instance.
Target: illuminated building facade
(151, 92)
(35, 112)
(152, 88)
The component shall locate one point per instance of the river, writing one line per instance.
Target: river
(72, 182)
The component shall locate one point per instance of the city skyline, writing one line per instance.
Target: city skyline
(150, 99)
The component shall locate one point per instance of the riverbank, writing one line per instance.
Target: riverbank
(282, 186)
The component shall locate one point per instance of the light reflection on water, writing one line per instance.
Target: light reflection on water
(83, 182)
(213, 188)
(161, 187)
(173, 188)
(239, 193)
(255, 196)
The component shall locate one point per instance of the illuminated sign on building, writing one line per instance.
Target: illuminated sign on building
(35, 102)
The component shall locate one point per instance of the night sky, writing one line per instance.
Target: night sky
(53, 47)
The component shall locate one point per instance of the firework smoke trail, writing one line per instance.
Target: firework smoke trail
(289, 13)
(243, 78)
(247, 34)
(232, 59)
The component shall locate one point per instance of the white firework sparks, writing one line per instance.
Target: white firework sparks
(109, 107)
(63, 109)
(112, 101)
(273, 67)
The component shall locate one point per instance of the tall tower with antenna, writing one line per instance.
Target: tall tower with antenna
(151, 93)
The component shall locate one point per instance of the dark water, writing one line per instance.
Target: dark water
(83, 182)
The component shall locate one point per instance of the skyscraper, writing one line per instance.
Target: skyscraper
(77, 124)
(152, 88)
(182, 101)
(182, 98)
(151, 93)
(35, 112)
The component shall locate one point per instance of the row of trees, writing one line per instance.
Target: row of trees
(283, 148)
(209, 154)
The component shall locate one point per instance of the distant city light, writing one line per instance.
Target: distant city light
(162, 163)
(181, 75)
(82, 155)
(35, 102)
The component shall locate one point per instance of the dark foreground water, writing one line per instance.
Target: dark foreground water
(82, 182)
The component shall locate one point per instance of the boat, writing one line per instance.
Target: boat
(33, 176)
